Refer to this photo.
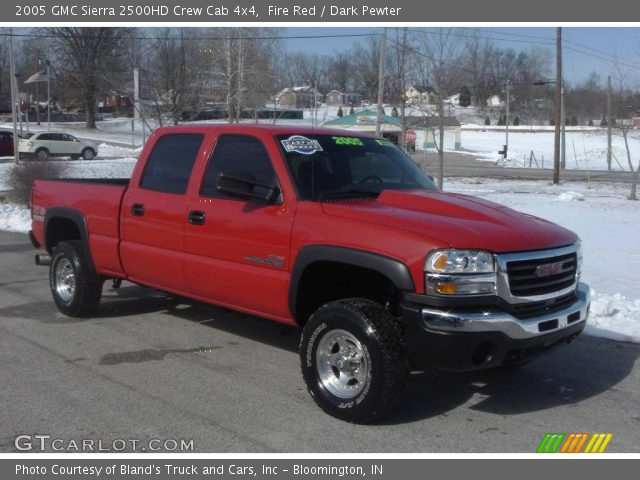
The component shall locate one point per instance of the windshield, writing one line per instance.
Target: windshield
(329, 166)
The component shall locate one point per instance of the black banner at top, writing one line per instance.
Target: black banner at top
(316, 11)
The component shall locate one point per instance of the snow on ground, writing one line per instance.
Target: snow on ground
(14, 218)
(586, 149)
(606, 222)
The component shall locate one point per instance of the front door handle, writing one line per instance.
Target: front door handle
(137, 210)
(196, 217)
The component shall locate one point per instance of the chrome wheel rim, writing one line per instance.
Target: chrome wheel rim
(65, 279)
(341, 364)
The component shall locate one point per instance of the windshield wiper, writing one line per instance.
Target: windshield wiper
(347, 194)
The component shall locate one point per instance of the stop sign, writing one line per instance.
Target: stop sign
(410, 136)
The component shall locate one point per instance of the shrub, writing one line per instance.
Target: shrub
(21, 177)
(340, 112)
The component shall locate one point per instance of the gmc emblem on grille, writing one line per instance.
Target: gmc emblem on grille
(548, 269)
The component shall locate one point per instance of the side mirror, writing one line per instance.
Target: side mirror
(246, 188)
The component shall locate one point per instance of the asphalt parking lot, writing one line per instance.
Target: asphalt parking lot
(152, 366)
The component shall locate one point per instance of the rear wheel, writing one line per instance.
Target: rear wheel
(353, 359)
(75, 286)
(88, 154)
(42, 154)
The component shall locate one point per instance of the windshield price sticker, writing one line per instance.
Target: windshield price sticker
(302, 145)
(385, 143)
(348, 141)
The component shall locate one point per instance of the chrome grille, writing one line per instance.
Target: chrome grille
(539, 276)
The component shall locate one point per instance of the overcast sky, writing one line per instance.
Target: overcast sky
(585, 49)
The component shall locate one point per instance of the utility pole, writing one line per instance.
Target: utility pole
(558, 114)
(609, 122)
(563, 119)
(506, 130)
(381, 61)
(12, 68)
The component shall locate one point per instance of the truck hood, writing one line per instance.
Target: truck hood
(455, 220)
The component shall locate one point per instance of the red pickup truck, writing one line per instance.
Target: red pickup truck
(338, 233)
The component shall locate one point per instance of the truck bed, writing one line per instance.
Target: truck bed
(98, 200)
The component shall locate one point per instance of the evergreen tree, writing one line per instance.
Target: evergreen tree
(487, 120)
(340, 112)
(516, 122)
(465, 96)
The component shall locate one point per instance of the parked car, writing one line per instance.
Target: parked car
(6, 144)
(338, 233)
(43, 145)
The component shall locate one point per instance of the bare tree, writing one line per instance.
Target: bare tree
(175, 73)
(90, 58)
(441, 51)
(366, 58)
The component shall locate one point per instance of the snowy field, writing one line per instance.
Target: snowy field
(607, 223)
(586, 149)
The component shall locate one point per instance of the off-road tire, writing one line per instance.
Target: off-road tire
(380, 337)
(71, 258)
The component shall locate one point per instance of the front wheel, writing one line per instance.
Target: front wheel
(42, 154)
(353, 359)
(75, 286)
(88, 154)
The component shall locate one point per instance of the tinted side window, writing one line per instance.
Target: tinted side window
(240, 155)
(169, 166)
(45, 136)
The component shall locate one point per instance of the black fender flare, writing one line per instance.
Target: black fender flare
(392, 268)
(77, 218)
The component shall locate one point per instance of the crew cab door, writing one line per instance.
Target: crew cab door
(154, 213)
(237, 249)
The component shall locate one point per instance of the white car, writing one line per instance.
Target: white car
(50, 144)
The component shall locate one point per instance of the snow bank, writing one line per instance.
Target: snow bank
(569, 196)
(614, 317)
(14, 218)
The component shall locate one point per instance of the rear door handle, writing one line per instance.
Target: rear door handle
(137, 210)
(196, 217)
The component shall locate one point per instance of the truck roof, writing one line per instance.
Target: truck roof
(249, 128)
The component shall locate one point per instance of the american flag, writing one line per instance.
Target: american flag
(41, 76)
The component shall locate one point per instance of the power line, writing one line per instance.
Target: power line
(262, 37)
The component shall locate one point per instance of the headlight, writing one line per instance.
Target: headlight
(460, 272)
(460, 261)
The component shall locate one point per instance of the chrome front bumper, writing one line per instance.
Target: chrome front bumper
(493, 320)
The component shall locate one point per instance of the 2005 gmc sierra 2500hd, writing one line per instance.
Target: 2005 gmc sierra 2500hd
(338, 233)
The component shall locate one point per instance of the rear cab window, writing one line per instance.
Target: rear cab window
(170, 163)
